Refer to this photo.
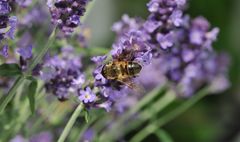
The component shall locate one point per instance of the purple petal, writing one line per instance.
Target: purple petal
(4, 51)
(26, 53)
(13, 26)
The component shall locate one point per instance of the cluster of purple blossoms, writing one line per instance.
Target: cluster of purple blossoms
(37, 16)
(178, 48)
(129, 46)
(191, 62)
(62, 74)
(181, 47)
(7, 26)
(66, 13)
(165, 17)
(63, 78)
(184, 47)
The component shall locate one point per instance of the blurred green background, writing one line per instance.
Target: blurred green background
(217, 117)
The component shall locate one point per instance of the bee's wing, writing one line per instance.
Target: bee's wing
(136, 87)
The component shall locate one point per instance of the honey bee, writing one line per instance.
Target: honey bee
(122, 71)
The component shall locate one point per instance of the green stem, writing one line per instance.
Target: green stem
(151, 128)
(163, 136)
(11, 93)
(24, 112)
(39, 56)
(159, 105)
(20, 79)
(70, 123)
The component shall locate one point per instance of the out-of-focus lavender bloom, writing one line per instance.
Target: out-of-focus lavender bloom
(4, 7)
(205, 71)
(124, 103)
(200, 34)
(18, 138)
(4, 51)
(24, 3)
(105, 105)
(66, 13)
(131, 46)
(165, 41)
(26, 53)
(39, 15)
(88, 135)
(62, 74)
(113, 100)
(165, 17)
(126, 24)
(7, 23)
(87, 95)
(152, 75)
(183, 47)
(25, 40)
(42, 137)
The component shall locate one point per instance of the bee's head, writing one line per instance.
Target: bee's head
(137, 67)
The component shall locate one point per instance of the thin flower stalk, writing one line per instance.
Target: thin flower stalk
(70, 123)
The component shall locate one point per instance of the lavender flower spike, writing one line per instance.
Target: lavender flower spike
(66, 13)
(4, 51)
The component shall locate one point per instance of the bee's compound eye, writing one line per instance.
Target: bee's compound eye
(137, 68)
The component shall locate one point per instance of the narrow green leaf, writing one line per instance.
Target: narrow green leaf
(32, 88)
(7, 98)
(10, 70)
(163, 136)
(86, 116)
